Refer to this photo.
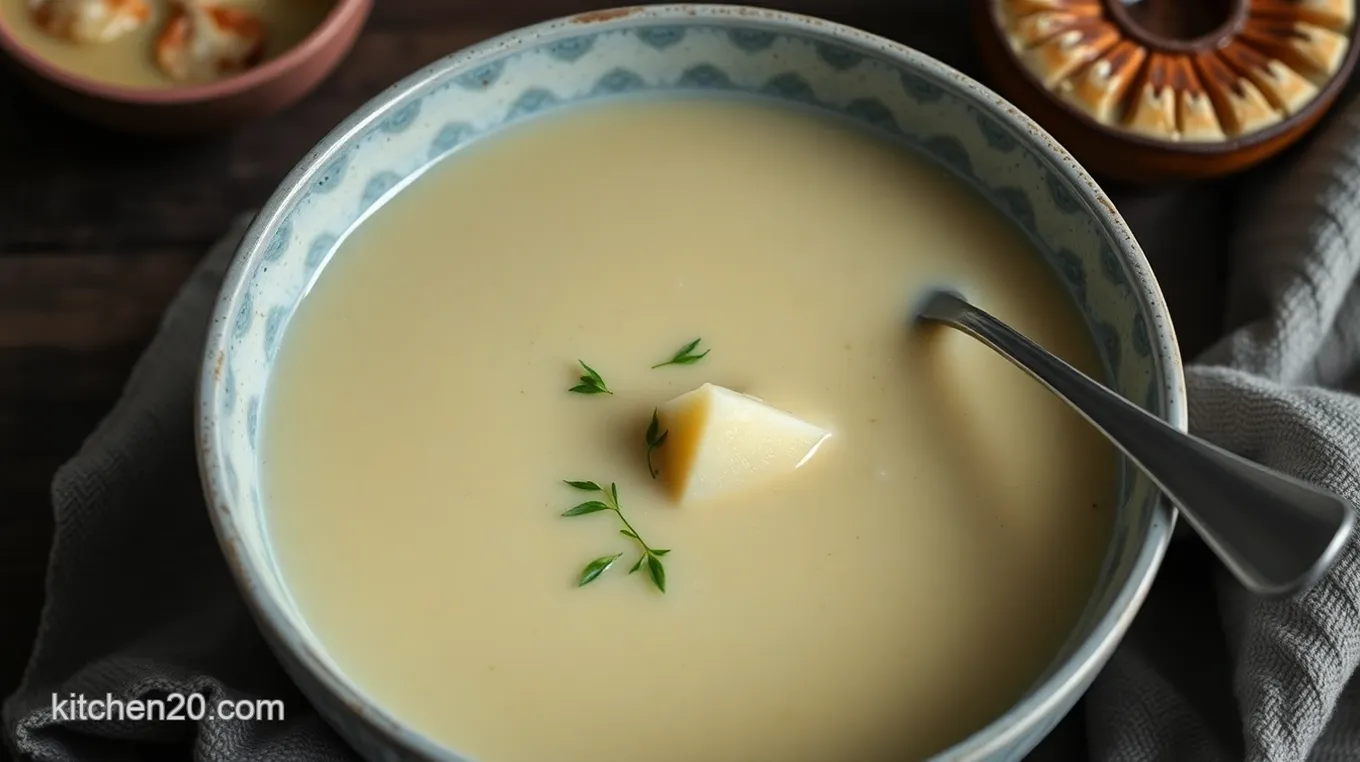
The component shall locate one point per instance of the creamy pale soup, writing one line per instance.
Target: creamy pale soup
(129, 59)
(879, 602)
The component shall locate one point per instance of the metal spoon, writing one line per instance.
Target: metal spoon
(1277, 534)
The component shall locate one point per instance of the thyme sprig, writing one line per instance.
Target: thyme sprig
(651, 557)
(591, 382)
(685, 356)
(655, 438)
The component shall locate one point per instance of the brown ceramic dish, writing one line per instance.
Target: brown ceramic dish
(191, 109)
(1149, 90)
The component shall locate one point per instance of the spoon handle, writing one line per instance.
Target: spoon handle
(1277, 534)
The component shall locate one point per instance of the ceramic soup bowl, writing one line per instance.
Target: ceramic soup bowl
(183, 110)
(736, 52)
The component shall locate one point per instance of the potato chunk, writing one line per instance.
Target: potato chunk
(720, 442)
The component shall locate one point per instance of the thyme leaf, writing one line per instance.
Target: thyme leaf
(685, 356)
(591, 382)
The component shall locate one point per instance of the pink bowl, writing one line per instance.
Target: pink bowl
(265, 89)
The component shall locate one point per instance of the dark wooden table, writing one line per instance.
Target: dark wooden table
(97, 232)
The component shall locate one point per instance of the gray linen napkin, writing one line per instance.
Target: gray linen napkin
(140, 604)
(1209, 672)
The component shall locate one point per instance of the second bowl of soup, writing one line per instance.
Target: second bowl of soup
(175, 67)
(565, 403)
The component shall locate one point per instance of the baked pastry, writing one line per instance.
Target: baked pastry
(1161, 72)
(1255, 73)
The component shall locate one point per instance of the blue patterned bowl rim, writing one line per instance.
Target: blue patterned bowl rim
(1004, 733)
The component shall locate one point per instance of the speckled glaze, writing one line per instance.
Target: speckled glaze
(715, 50)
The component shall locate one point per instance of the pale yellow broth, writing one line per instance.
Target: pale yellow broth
(895, 594)
(129, 60)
